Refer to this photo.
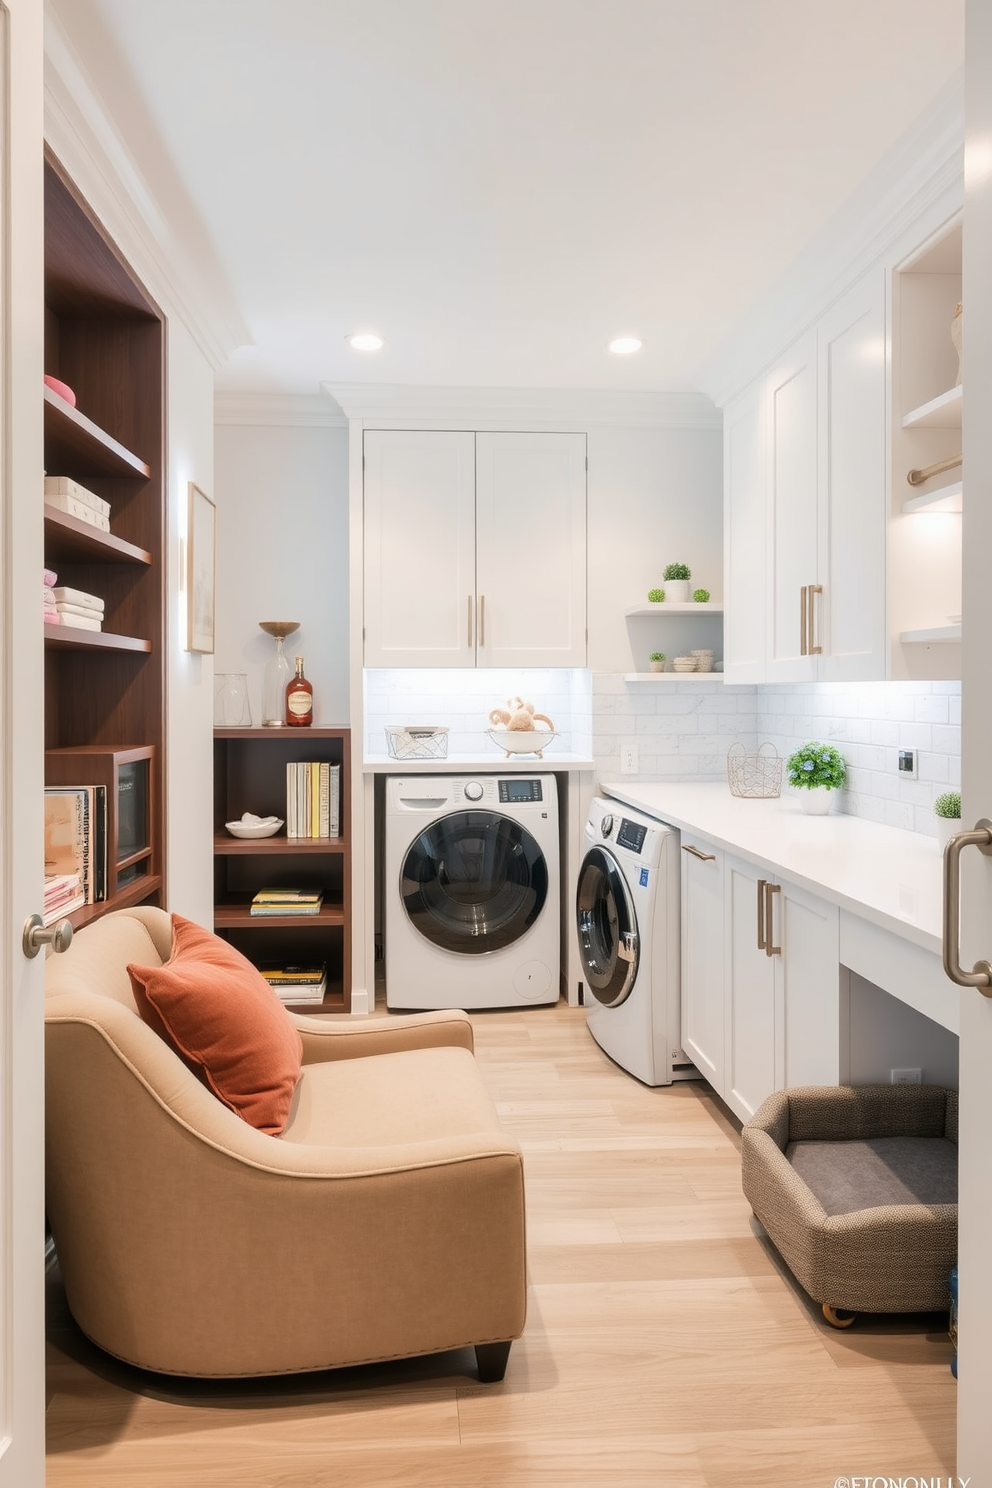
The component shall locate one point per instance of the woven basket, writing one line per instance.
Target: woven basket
(754, 775)
(414, 741)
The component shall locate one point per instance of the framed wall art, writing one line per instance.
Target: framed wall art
(201, 572)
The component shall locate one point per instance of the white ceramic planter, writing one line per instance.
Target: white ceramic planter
(676, 590)
(816, 802)
(946, 828)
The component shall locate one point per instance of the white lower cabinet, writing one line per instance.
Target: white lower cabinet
(761, 979)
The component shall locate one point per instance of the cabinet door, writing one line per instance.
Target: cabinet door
(807, 930)
(531, 549)
(751, 994)
(745, 539)
(850, 613)
(703, 1001)
(791, 433)
(419, 548)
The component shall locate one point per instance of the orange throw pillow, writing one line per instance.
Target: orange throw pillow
(221, 1016)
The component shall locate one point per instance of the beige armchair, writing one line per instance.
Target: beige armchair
(386, 1222)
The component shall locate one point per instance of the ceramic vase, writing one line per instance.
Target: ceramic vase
(657, 666)
(677, 591)
(816, 802)
(946, 828)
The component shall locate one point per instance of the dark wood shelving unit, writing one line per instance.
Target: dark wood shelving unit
(105, 690)
(250, 775)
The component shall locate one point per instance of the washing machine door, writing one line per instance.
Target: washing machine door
(474, 882)
(609, 945)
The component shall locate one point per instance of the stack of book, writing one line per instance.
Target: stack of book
(63, 893)
(297, 983)
(76, 837)
(277, 902)
(313, 799)
(69, 496)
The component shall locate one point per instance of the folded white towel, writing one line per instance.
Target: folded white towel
(80, 622)
(80, 597)
(87, 611)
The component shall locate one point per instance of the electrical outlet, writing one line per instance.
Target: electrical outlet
(628, 759)
(907, 764)
(906, 1076)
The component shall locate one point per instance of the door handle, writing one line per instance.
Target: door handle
(470, 608)
(482, 619)
(981, 975)
(36, 934)
(803, 622)
(698, 853)
(814, 649)
(771, 949)
(762, 904)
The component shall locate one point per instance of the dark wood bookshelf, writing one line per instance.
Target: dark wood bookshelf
(105, 690)
(250, 775)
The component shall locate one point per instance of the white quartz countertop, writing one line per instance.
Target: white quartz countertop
(883, 874)
(492, 763)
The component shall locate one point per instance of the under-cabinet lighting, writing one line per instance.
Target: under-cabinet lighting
(365, 341)
(624, 345)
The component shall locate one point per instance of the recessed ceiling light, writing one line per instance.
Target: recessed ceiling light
(624, 345)
(365, 341)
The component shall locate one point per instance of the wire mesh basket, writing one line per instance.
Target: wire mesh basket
(413, 741)
(754, 775)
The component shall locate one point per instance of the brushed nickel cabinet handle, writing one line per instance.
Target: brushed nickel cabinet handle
(470, 608)
(803, 620)
(981, 975)
(762, 902)
(698, 853)
(814, 649)
(771, 949)
(482, 620)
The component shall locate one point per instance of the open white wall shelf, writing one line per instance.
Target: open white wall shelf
(664, 608)
(943, 498)
(942, 412)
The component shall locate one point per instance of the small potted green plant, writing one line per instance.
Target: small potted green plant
(656, 661)
(656, 595)
(676, 577)
(701, 596)
(947, 810)
(816, 770)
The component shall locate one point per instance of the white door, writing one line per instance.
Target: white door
(22, 1205)
(791, 403)
(744, 539)
(849, 613)
(703, 1000)
(975, 1210)
(530, 507)
(419, 543)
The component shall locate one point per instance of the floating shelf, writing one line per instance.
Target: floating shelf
(937, 633)
(664, 677)
(227, 846)
(82, 446)
(68, 638)
(664, 608)
(944, 498)
(943, 412)
(69, 540)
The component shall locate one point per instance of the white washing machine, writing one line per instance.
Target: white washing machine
(627, 916)
(472, 904)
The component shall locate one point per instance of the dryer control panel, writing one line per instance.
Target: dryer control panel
(520, 790)
(631, 835)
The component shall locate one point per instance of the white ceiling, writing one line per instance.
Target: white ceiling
(499, 186)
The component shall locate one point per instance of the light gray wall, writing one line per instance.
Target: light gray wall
(282, 554)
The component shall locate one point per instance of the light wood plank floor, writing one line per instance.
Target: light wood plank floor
(665, 1344)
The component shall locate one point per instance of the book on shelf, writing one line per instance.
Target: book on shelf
(313, 799)
(76, 837)
(300, 982)
(287, 902)
(63, 893)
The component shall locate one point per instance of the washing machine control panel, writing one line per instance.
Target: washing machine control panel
(520, 790)
(631, 835)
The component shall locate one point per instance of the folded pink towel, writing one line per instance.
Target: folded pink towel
(51, 578)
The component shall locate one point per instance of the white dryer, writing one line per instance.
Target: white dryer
(627, 917)
(472, 907)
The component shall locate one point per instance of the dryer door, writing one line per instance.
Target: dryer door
(473, 882)
(609, 945)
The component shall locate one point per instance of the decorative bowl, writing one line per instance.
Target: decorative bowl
(522, 741)
(251, 826)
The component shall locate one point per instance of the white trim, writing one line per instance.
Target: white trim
(396, 406)
(922, 175)
(280, 410)
(81, 133)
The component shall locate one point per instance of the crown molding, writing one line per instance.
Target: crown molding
(83, 136)
(392, 405)
(917, 185)
(278, 410)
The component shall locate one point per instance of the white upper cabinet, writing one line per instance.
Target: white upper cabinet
(744, 538)
(475, 549)
(790, 402)
(530, 514)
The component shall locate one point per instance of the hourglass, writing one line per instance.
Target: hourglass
(277, 674)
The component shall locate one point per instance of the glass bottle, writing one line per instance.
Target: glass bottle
(277, 674)
(299, 699)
